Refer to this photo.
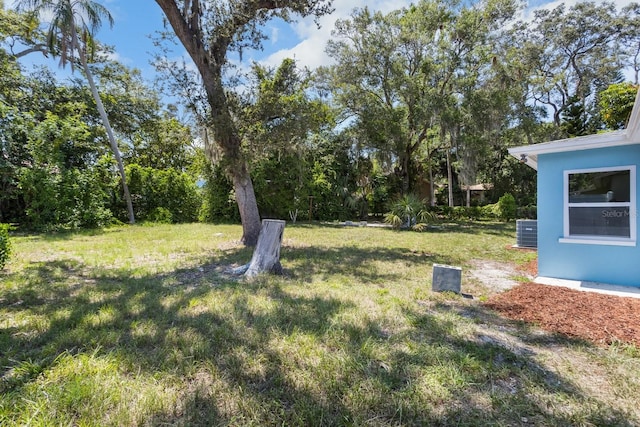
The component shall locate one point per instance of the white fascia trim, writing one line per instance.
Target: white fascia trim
(602, 140)
(589, 142)
(633, 126)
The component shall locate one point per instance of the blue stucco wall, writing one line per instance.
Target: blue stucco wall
(618, 265)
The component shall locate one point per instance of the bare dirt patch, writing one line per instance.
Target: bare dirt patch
(497, 276)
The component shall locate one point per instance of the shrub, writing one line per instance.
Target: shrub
(218, 202)
(409, 212)
(159, 194)
(507, 207)
(160, 215)
(5, 245)
(67, 198)
(466, 213)
(458, 213)
(490, 211)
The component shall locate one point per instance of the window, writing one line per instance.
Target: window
(600, 206)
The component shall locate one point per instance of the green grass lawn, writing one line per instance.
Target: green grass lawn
(141, 326)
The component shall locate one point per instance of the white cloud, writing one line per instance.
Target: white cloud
(310, 52)
(275, 32)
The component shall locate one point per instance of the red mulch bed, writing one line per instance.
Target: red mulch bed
(530, 268)
(602, 319)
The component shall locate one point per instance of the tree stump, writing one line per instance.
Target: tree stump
(266, 256)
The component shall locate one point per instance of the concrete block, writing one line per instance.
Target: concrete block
(446, 278)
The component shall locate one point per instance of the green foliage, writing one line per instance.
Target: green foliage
(409, 212)
(527, 212)
(467, 213)
(583, 35)
(163, 194)
(280, 184)
(18, 28)
(615, 104)
(575, 121)
(506, 207)
(283, 112)
(378, 198)
(70, 198)
(218, 204)
(61, 188)
(490, 211)
(5, 244)
(331, 190)
(160, 215)
(464, 213)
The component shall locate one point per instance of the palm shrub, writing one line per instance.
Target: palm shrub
(409, 212)
(5, 244)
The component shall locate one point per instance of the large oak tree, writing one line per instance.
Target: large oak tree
(404, 74)
(209, 31)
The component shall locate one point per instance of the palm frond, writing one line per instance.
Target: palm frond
(394, 220)
(421, 226)
(72, 25)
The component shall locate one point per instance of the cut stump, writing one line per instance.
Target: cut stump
(266, 256)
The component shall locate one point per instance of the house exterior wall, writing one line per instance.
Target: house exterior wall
(618, 265)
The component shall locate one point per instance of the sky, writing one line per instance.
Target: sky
(137, 20)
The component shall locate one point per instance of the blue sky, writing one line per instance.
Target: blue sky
(136, 20)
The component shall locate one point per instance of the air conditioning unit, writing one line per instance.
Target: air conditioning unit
(527, 233)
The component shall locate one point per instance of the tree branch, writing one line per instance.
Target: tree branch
(37, 48)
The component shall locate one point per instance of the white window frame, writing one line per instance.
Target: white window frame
(601, 240)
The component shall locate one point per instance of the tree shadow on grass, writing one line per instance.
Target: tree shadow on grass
(511, 374)
(494, 228)
(62, 235)
(500, 229)
(112, 314)
(352, 261)
(268, 353)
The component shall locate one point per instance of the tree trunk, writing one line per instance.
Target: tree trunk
(449, 177)
(266, 256)
(468, 196)
(432, 194)
(404, 171)
(443, 137)
(112, 140)
(209, 61)
(247, 205)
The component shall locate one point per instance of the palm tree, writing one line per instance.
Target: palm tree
(73, 23)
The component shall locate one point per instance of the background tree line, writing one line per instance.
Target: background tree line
(422, 101)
